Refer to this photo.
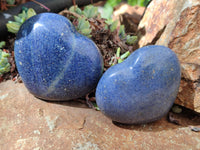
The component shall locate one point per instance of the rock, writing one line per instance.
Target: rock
(129, 16)
(176, 25)
(27, 123)
(141, 89)
(54, 60)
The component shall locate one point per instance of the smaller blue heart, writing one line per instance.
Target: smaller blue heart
(141, 89)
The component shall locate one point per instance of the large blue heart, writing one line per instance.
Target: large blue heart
(54, 60)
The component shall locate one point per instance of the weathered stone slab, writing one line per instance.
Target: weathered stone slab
(177, 26)
(27, 123)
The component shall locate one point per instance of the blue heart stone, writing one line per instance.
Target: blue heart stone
(141, 89)
(54, 60)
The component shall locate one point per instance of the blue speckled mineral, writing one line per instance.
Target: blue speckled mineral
(141, 89)
(54, 60)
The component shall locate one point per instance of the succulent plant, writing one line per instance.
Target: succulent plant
(84, 27)
(90, 11)
(131, 39)
(4, 64)
(13, 26)
(2, 44)
(76, 9)
(117, 58)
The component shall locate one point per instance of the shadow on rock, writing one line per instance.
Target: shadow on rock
(187, 118)
(78, 103)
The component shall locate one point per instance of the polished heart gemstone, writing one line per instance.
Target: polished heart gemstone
(54, 60)
(141, 89)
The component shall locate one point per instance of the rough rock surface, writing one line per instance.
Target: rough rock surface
(29, 123)
(129, 16)
(176, 25)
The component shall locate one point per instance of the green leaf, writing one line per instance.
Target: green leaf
(113, 26)
(10, 2)
(19, 20)
(113, 3)
(109, 21)
(125, 55)
(106, 27)
(4, 64)
(95, 106)
(122, 33)
(118, 52)
(23, 14)
(119, 61)
(4, 54)
(76, 10)
(122, 57)
(86, 32)
(84, 27)
(131, 39)
(90, 11)
(2, 44)
(138, 2)
(176, 109)
(83, 24)
(31, 12)
(107, 11)
(13, 27)
(5, 69)
(25, 9)
(146, 2)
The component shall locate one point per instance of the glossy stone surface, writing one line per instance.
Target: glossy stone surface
(54, 60)
(141, 89)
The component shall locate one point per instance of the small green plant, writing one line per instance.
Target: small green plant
(138, 2)
(91, 11)
(83, 26)
(76, 9)
(176, 109)
(4, 64)
(14, 26)
(131, 39)
(110, 4)
(10, 2)
(119, 58)
(122, 33)
(2, 44)
(112, 25)
(128, 38)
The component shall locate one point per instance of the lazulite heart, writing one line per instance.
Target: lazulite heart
(54, 60)
(142, 88)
